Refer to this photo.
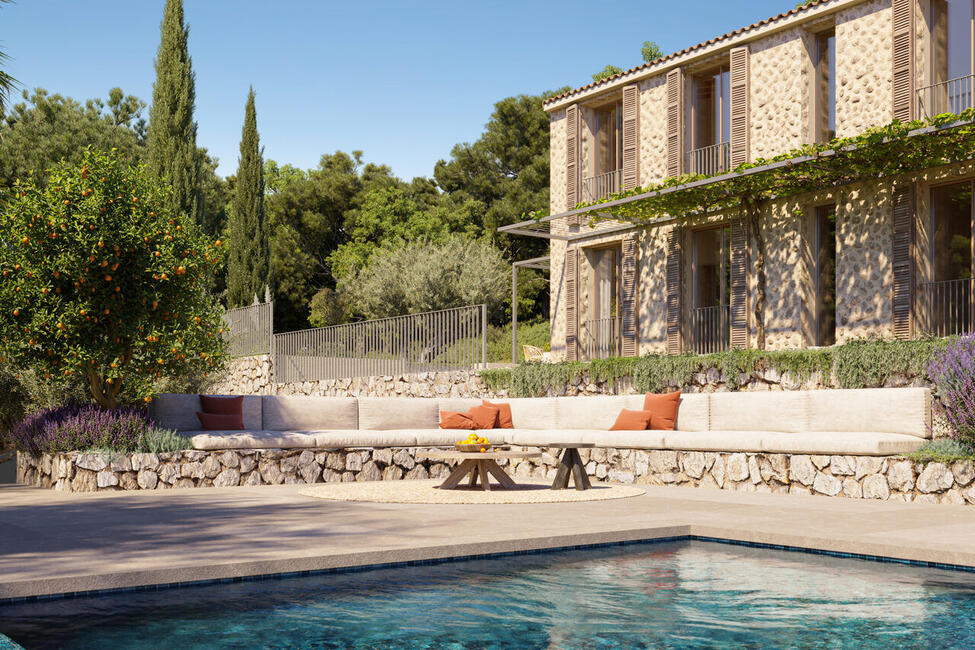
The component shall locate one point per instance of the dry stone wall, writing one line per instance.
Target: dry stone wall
(855, 477)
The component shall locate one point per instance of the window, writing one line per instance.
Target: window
(952, 25)
(711, 272)
(608, 159)
(711, 122)
(824, 274)
(948, 295)
(825, 101)
(602, 327)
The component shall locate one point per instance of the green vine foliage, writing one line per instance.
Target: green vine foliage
(860, 364)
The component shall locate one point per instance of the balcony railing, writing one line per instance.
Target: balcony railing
(709, 160)
(602, 338)
(952, 96)
(947, 307)
(601, 186)
(712, 329)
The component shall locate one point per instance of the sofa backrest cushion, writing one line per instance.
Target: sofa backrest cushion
(386, 413)
(457, 404)
(301, 413)
(593, 413)
(881, 410)
(178, 411)
(694, 413)
(533, 412)
(784, 411)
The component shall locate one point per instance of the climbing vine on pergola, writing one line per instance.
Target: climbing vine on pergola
(889, 151)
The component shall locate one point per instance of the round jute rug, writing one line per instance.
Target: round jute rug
(428, 492)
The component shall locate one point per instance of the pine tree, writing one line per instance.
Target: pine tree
(248, 262)
(171, 138)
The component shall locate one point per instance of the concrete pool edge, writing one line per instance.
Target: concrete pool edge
(202, 575)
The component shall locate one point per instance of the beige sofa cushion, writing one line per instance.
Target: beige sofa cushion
(290, 412)
(532, 412)
(598, 412)
(841, 442)
(890, 410)
(178, 411)
(543, 438)
(785, 411)
(715, 440)
(249, 440)
(457, 404)
(627, 439)
(694, 412)
(363, 438)
(387, 413)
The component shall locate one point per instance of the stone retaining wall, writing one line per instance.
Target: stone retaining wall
(867, 477)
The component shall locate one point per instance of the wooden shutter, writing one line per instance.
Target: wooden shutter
(902, 218)
(675, 122)
(571, 305)
(631, 137)
(903, 55)
(739, 106)
(675, 306)
(739, 284)
(572, 161)
(629, 298)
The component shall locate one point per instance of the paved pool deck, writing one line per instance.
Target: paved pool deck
(53, 543)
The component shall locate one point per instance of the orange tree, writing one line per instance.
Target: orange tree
(101, 283)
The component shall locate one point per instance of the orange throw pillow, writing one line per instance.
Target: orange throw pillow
(631, 421)
(452, 420)
(663, 408)
(504, 414)
(484, 417)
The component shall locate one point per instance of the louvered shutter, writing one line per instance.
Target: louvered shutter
(739, 106)
(571, 305)
(675, 122)
(631, 137)
(902, 217)
(903, 56)
(739, 284)
(572, 161)
(675, 292)
(629, 300)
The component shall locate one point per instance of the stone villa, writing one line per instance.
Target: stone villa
(834, 258)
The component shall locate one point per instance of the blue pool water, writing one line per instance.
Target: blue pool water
(670, 595)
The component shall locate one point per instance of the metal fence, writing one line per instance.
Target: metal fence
(601, 186)
(602, 338)
(249, 330)
(947, 307)
(709, 160)
(450, 339)
(712, 329)
(952, 96)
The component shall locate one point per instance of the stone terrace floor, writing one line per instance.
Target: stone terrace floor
(54, 543)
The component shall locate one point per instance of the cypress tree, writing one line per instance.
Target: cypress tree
(248, 264)
(171, 138)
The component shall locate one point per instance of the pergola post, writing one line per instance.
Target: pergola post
(540, 263)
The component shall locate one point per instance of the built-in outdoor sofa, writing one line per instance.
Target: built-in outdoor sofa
(874, 422)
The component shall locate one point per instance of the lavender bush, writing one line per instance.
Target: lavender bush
(69, 428)
(953, 371)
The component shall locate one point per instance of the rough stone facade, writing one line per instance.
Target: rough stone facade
(856, 477)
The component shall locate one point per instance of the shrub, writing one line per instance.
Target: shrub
(953, 370)
(102, 284)
(156, 440)
(74, 427)
(943, 450)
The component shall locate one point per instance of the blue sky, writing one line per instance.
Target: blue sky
(402, 81)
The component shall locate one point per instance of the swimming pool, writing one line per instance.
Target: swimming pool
(674, 594)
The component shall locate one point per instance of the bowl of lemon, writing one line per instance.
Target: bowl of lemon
(474, 443)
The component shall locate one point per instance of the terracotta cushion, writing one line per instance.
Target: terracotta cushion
(484, 417)
(504, 414)
(452, 420)
(632, 421)
(221, 421)
(663, 408)
(222, 405)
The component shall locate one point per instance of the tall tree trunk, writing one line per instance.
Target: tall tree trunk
(754, 213)
(105, 395)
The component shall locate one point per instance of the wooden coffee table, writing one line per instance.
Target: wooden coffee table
(571, 463)
(478, 466)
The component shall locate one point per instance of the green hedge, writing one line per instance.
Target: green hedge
(859, 364)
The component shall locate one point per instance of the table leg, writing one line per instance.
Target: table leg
(473, 482)
(561, 481)
(458, 475)
(579, 476)
(503, 479)
(482, 470)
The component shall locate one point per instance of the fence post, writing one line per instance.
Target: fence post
(484, 336)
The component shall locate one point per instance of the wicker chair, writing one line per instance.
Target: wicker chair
(533, 353)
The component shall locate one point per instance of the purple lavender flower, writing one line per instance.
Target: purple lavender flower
(953, 370)
(74, 427)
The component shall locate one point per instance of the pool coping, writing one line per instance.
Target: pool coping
(150, 580)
